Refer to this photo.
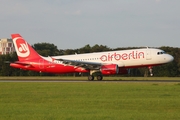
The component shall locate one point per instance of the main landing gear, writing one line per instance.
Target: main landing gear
(96, 73)
(98, 77)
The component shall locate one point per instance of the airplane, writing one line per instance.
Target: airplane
(96, 64)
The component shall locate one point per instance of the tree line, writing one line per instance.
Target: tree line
(171, 69)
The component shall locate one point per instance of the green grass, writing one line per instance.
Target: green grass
(89, 101)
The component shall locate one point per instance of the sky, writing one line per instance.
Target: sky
(71, 24)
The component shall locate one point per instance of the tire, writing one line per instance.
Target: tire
(99, 77)
(90, 77)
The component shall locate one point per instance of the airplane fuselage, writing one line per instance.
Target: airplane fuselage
(124, 59)
(100, 63)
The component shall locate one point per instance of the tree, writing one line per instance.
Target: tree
(85, 49)
(46, 49)
(99, 48)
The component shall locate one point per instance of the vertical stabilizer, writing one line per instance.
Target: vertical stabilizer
(23, 49)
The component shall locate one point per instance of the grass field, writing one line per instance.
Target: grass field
(89, 101)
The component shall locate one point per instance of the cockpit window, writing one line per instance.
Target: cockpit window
(160, 53)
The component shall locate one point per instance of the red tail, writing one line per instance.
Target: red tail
(23, 49)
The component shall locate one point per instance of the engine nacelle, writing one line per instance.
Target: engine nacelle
(109, 69)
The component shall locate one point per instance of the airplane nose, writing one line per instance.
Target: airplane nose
(170, 58)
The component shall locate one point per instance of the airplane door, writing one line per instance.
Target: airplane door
(41, 63)
(148, 55)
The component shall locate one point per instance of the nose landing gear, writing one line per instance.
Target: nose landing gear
(150, 70)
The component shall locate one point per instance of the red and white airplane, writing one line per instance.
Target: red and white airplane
(97, 64)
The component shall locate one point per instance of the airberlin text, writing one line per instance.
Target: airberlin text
(122, 56)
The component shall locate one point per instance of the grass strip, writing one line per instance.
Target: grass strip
(89, 101)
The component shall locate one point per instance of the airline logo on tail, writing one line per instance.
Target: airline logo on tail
(21, 47)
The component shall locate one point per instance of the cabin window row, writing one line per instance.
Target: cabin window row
(87, 59)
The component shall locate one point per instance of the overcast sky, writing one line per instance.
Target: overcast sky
(71, 24)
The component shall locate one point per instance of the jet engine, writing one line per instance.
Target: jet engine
(109, 69)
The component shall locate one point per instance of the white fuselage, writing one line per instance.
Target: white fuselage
(123, 58)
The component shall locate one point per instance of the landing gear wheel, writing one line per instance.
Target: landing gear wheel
(90, 77)
(99, 77)
(151, 71)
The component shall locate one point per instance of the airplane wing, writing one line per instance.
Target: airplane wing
(83, 64)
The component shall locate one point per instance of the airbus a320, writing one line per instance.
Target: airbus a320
(96, 64)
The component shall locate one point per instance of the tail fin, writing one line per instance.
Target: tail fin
(23, 49)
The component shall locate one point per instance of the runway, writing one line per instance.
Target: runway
(95, 81)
